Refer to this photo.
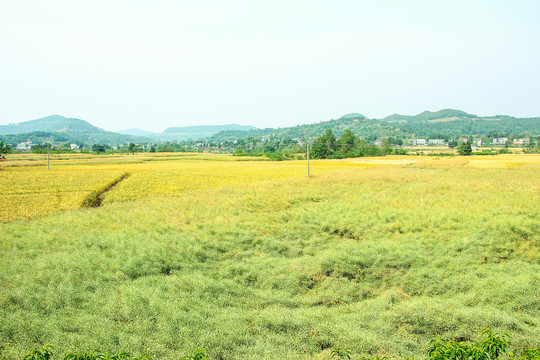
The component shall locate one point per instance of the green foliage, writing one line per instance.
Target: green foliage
(275, 156)
(324, 146)
(134, 148)
(100, 148)
(535, 150)
(490, 347)
(529, 354)
(94, 355)
(4, 149)
(465, 149)
(327, 146)
(45, 353)
(339, 353)
(452, 144)
(198, 354)
(346, 143)
(486, 152)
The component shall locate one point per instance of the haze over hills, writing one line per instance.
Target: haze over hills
(62, 129)
(185, 132)
(57, 128)
(135, 132)
(446, 122)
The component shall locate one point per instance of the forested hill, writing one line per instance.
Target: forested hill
(57, 128)
(53, 123)
(447, 122)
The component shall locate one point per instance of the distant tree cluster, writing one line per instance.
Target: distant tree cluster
(465, 149)
(4, 149)
(348, 145)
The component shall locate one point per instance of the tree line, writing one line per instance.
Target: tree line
(348, 145)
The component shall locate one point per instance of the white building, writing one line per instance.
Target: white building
(436, 141)
(522, 142)
(417, 142)
(478, 142)
(499, 141)
(27, 145)
(74, 146)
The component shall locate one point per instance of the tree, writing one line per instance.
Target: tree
(346, 143)
(4, 149)
(385, 146)
(465, 149)
(324, 146)
(98, 148)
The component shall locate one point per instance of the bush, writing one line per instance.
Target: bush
(488, 348)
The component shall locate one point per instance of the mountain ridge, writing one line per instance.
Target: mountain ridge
(445, 122)
(51, 123)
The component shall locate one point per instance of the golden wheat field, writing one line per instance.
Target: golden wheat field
(28, 189)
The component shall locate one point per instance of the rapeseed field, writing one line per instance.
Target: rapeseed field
(252, 260)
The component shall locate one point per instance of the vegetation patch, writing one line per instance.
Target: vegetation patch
(95, 198)
(252, 260)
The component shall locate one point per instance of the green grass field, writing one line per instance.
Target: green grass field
(375, 259)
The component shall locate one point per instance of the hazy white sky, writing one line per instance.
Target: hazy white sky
(154, 64)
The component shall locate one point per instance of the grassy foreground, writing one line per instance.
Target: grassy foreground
(372, 259)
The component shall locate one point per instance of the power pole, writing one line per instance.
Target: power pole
(307, 159)
(47, 158)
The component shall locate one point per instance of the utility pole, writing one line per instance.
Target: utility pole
(307, 159)
(47, 158)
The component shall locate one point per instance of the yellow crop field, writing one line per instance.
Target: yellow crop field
(27, 189)
(32, 192)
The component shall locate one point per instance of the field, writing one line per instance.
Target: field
(249, 259)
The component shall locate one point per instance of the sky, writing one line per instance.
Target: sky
(155, 64)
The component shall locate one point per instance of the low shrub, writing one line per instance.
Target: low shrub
(491, 346)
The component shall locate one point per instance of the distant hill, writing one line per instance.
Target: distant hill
(53, 123)
(428, 115)
(442, 123)
(59, 128)
(135, 132)
(353, 116)
(446, 122)
(201, 131)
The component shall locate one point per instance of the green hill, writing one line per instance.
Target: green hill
(197, 132)
(446, 122)
(60, 129)
(429, 115)
(53, 123)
